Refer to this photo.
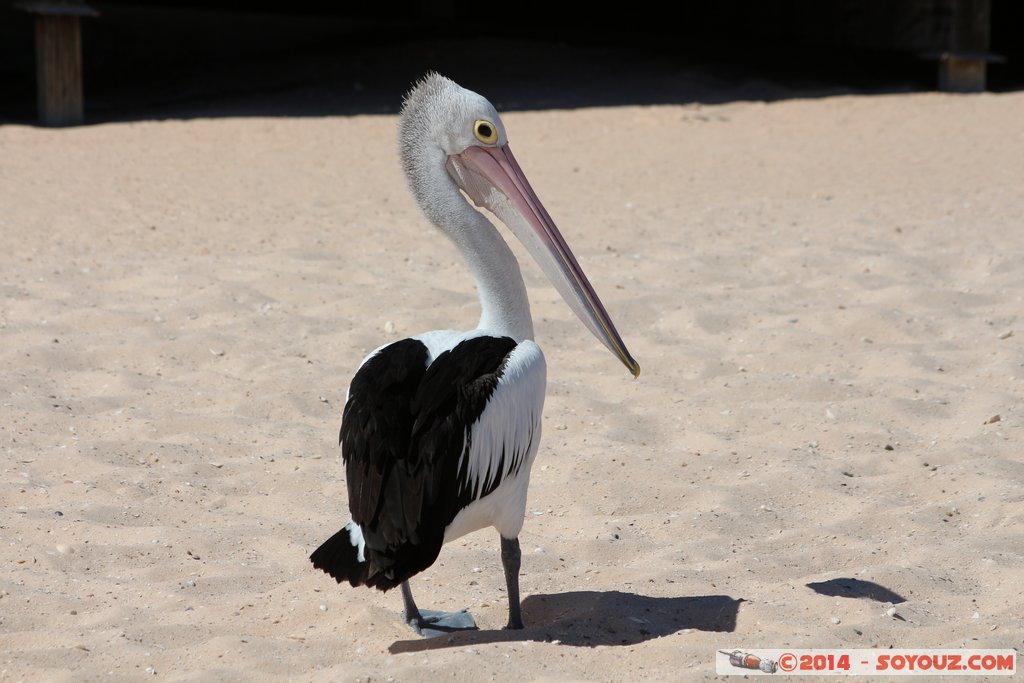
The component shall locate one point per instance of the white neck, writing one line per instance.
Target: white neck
(506, 309)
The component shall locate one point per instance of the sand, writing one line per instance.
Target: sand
(825, 295)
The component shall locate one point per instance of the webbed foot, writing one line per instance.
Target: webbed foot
(432, 623)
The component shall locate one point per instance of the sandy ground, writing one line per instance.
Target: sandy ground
(826, 297)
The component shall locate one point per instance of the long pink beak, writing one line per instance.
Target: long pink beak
(492, 179)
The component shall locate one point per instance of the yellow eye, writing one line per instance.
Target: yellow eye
(485, 132)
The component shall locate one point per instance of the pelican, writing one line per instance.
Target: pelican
(440, 430)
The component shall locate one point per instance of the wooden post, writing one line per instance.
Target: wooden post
(59, 91)
(963, 66)
(59, 70)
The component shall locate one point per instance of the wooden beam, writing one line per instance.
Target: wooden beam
(962, 74)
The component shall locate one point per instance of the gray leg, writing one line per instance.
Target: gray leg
(411, 614)
(511, 558)
(429, 623)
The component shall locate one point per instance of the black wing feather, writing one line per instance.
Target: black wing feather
(404, 429)
(376, 417)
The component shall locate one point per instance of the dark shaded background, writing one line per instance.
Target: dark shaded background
(193, 59)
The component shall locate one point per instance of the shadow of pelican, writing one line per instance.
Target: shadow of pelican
(591, 618)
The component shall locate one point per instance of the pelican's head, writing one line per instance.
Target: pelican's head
(443, 125)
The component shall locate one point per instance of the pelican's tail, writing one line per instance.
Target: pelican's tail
(343, 556)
